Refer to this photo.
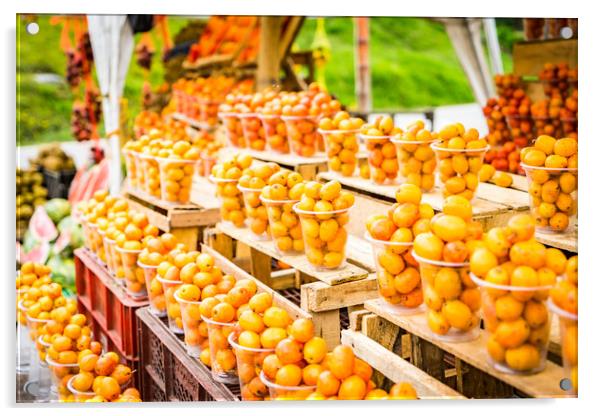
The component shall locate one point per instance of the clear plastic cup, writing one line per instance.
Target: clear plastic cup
(60, 376)
(207, 163)
(517, 324)
(249, 362)
(324, 237)
(458, 170)
(569, 335)
(156, 297)
(302, 133)
(275, 133)
(135, 283)
(397, 276)
(231, 200)
(285, 226)
(95, 239)
(256, 213)
(140, 172)
(102, 253)
(233, 126)
(341, 149)
(117, 264)
(452, 300)
(130, 168)
(39, 382)
(23, 341)
(208, 110)
(382, 159)
(195, 329)
(176, 179)
(152, 179)
(223, 360)
(555, 210)
(253, 131)
(174, 313)
(79, 396)
(108, 254)
(87, 233)
(417, 162)
(278, 392)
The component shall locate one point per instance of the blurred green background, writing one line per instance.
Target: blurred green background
(413, 65)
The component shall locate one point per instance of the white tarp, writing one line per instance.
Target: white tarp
(112, 43)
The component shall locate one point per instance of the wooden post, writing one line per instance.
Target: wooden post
(363, 90)
(268, 61)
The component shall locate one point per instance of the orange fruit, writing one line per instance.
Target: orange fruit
(311, 373)
(341, 362)
(352, 388)
(302, 330)
(289, 375)
(289, 351)
(328, 384)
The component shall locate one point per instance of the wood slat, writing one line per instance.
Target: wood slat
(563, 241)
(319, 296)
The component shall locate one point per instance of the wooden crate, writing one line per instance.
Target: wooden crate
(566, 241)
(463, 366)
(325, 295)
(186, 222)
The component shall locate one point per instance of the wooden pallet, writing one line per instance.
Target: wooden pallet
(564, 241)
(469, 371)
(323, 294)
(184, 221)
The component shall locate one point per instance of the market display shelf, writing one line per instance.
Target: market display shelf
(564, 241)
(195, 124)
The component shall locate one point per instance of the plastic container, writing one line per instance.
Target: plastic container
(60, 376)
(176, 179)
(278, 392)
(135, 283)
(109, 260)
(553, 197)
(517, 324)
(130, 168)
(154, 288)
(174, 313)
(253, 131)
(458, 170)
(324, 237)
(140, 172)
(302, 133)
(207, 163)
(382, 159)
(87, 233)
(341, 149)
(521, 129)
(233, 126)
(79, 396)
(285, 226)
(249, 362)
(39, 381)
(256, 213)
(442, 284)
(208, 111)
(275, 133)
(399, 283)
(95, 239)
(223, 360)
(417, 162)
(117, 265)
(569, 335)
(231, 200)
(195, 329)
(102, 254)
(152, 181)
(24, 344)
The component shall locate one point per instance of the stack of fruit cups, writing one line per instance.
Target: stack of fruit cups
(234, 132)
(61, 374)
(279, 392)
(79, 396)
(249, 362)
(209, 110)
(130, 168)
(135, 284)
(223, 361)
(174, 314)
(152, 183)
(195, 329)
(341, 144)
(96, 243)
(416, 159)
(302, 133)
(284, 226)
(275, 133)
(226, 175)
(256, 213)
(140, 172)
(176, 179)
(253, 131)
(154, 290)
(382, 155)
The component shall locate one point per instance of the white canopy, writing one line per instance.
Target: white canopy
(112, 43)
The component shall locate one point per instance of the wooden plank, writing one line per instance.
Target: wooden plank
(384, 333)
(363, 207)
(543, 384)
(515, 199)
(188, 236)
(202, 193)
(289, 160)
(359, 251)
(286, 39)
(396, 368)
(261, 266)
(564, 241)
(327, 325)
(157, 219)
(355, 319)
(519, 182)
(319, 296)
(347, 273)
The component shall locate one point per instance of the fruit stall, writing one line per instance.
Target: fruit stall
(249, 236)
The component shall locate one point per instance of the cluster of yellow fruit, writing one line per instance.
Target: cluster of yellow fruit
(382, 155)
(284, 188)
(551, 167)
(226, 176)
(31, 275)
(452, 298)
(323, 214)
(489, 174)
(460, 156)
(415, 156)
(516, 274)
(251, 183)
(398, 277)
(340, 137)
(109, 228)
(95, 208)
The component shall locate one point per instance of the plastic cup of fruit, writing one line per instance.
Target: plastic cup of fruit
(253, 131)
(256, 213)
(452, 300)
(399, 283)
(275, 133)
(152, 181)
(341, 149)
(280, 392)
(554, 210)
(285, 226)
(130, 168)
(324, 237)
(521, 128)
(95, 239)
(176, 179)
(156, 297)
(382, 159)
(117, 265)
(458, 169)
(207, 163)
(140, 172)
(569, 334)
(135, 284)
(234, 133)
(60, 376)
(79, 396)
(223, 359)
(569, 126)
(38, 377)
(231, 200)
(209, 111)
(102, 253)
(195, 329)
(108, 254)
(23, 340)
(302, 133)
(87, 233)
(249, 362)
(174, 313)
(517, 324)
(547, 125)
(417, 162)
